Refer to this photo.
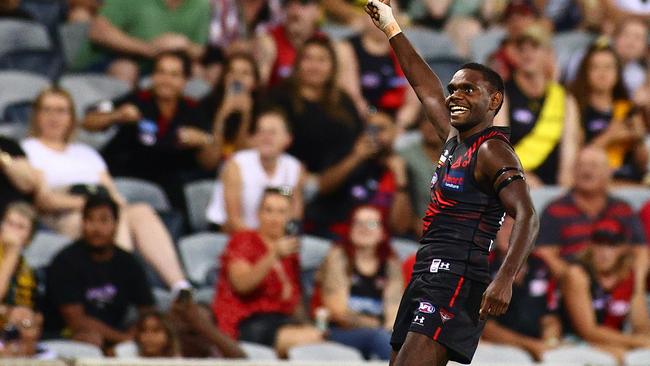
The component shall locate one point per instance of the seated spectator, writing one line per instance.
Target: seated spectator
(371, 173)
(373, 78)
(18, 181)
(278, 47)
(543, 118)
(603, 280)
(92, 282)
(361, 286)
(420, 157)
(11, 9)
(82, 10)
(569, 220)
(258, 296)
(125, 31)
(233, 103)
(22, 330)
(70, 170)
(237, 195)
(631, 45)
(160, 136)
(235, 20)
(155, 337)
(324, 121)
(608, 117)
(530, 322)
(17, 280)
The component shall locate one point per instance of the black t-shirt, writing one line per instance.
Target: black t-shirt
(321, 138)
(8, 192)
(106, 289)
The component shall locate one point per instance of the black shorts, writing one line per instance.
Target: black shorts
(445, 307)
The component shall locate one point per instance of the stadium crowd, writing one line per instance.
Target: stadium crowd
(304, 127)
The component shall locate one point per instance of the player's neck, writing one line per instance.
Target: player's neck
(463, 135)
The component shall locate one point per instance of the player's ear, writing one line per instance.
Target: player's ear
(496, 99)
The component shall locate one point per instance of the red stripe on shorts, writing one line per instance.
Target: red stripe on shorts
(437, 333)
(453, 298)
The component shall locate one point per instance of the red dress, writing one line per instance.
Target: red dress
(230, 308)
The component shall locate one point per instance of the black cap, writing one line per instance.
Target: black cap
(609, 231)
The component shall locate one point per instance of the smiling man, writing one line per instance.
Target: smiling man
(477, 181)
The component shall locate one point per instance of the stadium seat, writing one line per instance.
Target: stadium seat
(329, 351)
(566, 43)
(542, 196)
(89, 89)
(138, 190)
(404, 247)
(639, 357)
(47, 12)
(126, 350)
(23, 35)
(204, 295)
(484, 44)
(19, 112)
(24, 87)
(163, 299)
(200, 254)
(73, 349)
(634, 196)
(313, 251)
(430, 43)
(44, 247)
(338, 32)
(445, 67)
(196, 88)
(197, 196)
(72, 36)
(583, 354)
(501, 355)
(259, 352)
(43, 62)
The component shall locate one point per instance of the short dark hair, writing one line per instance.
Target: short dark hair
(276, 111)
(94, 201)
(183, 57)
(491, 76)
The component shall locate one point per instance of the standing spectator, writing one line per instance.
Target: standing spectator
(27, 325)
(279, 46)
(125, 31)
(258, 297)
(373, 78)
(608, 117)
(18, 180)
(237, 196)
(543, 118)
(569, 220)
(361, 284)
(160, 136)
(371, 173)
(631, 45)
(92, 282)
(70, 170)
(17, 280)
(603, 280)
(233, 103)
(531, 322)
(236, 20)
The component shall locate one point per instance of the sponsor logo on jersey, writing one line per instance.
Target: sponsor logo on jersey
(419, 320)
(445, 315)
(438, 264)
(426, 307)
(454, 180)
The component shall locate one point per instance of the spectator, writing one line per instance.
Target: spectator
(623, 10)
(608, 117)
(237, 197)
(11, 9)
(569, 220)
(603, 280)
(155, 337)
(70, 170)
(531, 322)
(234, 20)
(18, 181)
(82, 10)
(25, 326)
(371, 173)
(125, 31)
(372, 76)
(323, 118)
(361, 285)
(278, 47)
(233, 103)
(17, 280)
(258, 297)
(92, 282)
(420, 157)
(631, 45)
(543, 118)
(160, 136)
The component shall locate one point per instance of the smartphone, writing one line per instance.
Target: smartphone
(292, 228)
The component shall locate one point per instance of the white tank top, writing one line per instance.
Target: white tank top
(254, 181)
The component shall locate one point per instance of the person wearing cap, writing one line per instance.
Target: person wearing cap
(603, 280)
(542, 116)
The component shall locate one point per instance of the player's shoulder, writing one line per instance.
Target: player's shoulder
(496, 150)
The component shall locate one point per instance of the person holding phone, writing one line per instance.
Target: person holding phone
(258, 295)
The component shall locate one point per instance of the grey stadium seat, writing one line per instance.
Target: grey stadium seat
(23, 35)
(337, 31)
(260, 352)
(197, 196)
(329, 351)
(639, 357)
(544, 195)
(634, 196)
(19, 86)
(126, 350)
(89, 89)
(200, 254)
(42, 62)
(579, 354)
(485, 43)
(44, 247)
(138, 190)
(566, 43)
(431, 43)
(313, 251)
(73, 349)
(163, 299)
(404, 248)
(72, 36)
(501, 355)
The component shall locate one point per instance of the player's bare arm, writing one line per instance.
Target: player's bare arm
(499, 170)
(425, 82)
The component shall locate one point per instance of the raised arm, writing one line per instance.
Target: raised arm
(425, 82)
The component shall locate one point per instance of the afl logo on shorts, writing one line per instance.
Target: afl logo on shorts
(426, 307)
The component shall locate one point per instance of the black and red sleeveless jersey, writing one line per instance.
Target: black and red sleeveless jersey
(462, 220)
